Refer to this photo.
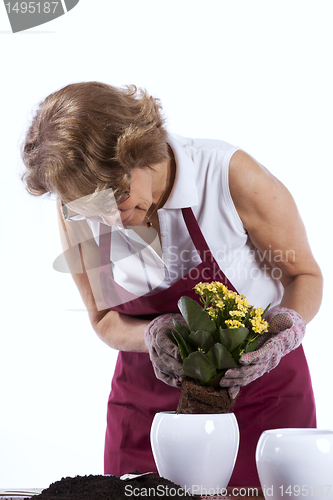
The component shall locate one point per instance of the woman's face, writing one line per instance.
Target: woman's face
(146, 188)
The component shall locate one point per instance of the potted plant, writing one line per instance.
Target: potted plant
(219, 332)
(198, 444)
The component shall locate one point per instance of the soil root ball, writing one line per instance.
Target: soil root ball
(199, 399)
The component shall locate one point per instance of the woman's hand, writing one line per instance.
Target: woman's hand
(285, 333)
(163, 351)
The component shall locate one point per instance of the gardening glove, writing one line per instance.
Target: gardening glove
(163, 350)
(285, 333)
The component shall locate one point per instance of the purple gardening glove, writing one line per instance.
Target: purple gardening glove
(163, 351)
(285, 333)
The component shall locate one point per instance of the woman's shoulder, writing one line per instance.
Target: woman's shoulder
(203, 143)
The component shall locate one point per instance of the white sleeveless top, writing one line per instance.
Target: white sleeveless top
(202, 183)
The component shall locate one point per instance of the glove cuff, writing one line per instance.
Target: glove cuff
(297, 318)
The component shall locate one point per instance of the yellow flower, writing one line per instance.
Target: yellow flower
(228, 294)
(212, 312)
(219, 304)
(237, 315)
(257, 312)
(259, 325)
(233, 323)
(200, 288)
(219, 298)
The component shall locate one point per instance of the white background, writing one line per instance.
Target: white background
(256, 73)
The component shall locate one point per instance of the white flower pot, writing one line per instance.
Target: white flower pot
(296, 463)
(197, 452)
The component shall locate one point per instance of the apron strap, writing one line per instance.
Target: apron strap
(203, 249)
(195, 232)
(115, 294)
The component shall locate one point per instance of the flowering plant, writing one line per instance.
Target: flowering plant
(218, 333)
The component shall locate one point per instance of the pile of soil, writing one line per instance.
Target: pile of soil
(198, 399)
(112, 488)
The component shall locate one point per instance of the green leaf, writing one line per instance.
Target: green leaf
(202, 339)
(231, 338)
(197, 366)
(224, 338)
(214, 382)
(195, 316)
(184, 348)
(221, 358)
(265, 311)
(181, 329)
(252, 346)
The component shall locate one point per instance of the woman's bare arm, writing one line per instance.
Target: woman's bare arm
(118, 331)
(274, 226)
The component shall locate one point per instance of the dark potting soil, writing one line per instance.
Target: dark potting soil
(112, 488)
(198, 399)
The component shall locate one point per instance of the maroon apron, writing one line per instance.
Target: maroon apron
(281, 398)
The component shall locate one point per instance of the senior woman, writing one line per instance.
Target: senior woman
(145, 215)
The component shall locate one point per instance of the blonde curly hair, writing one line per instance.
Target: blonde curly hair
(88, 136)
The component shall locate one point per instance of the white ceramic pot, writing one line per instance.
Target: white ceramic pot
(296, 463)
(197, 452)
